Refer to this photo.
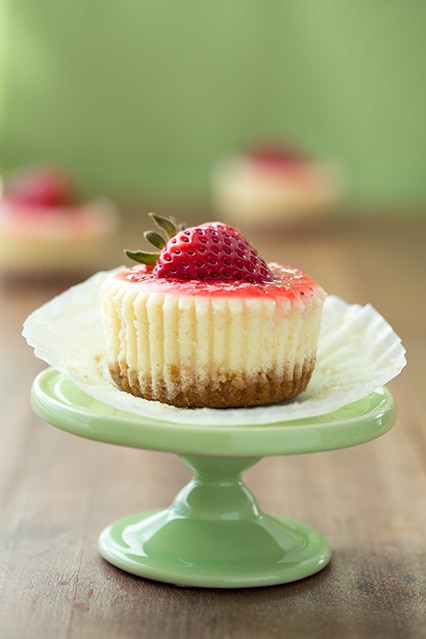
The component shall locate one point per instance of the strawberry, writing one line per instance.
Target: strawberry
(41, 187)
(275, 157)
(209, 252)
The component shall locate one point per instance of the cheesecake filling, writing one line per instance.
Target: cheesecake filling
(210, 351)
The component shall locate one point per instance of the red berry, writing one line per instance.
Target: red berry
(39, 187)
(275, 157)
(212, 251)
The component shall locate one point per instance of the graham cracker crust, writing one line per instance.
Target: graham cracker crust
(223, 389)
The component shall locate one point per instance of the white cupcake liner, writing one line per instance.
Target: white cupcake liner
(358, 352)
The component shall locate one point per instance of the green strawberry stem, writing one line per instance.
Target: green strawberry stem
(155, 239)
(144, 257)
(166, 224)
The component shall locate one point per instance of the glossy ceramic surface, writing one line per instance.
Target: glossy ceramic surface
(213, 534)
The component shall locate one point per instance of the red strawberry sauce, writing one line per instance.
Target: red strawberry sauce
(288, 283)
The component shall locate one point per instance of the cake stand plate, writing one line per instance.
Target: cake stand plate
(214, 534)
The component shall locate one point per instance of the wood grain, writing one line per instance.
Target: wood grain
(58, 491)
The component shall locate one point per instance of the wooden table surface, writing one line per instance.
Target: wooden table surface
(58, 491)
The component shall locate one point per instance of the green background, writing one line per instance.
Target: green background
(140, 98)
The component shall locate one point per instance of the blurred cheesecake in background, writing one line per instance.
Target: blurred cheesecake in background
(271, 185)
(45, 230)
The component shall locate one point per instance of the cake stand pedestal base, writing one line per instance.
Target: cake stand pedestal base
(215, 535)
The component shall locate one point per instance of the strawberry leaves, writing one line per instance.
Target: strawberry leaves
(166, 224)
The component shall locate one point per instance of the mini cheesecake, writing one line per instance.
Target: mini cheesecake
(271, 184)
(46, 231)
(211, 343)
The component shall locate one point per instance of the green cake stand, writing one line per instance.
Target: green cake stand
(214, 534)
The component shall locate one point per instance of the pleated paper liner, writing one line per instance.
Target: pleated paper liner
(358, 352)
